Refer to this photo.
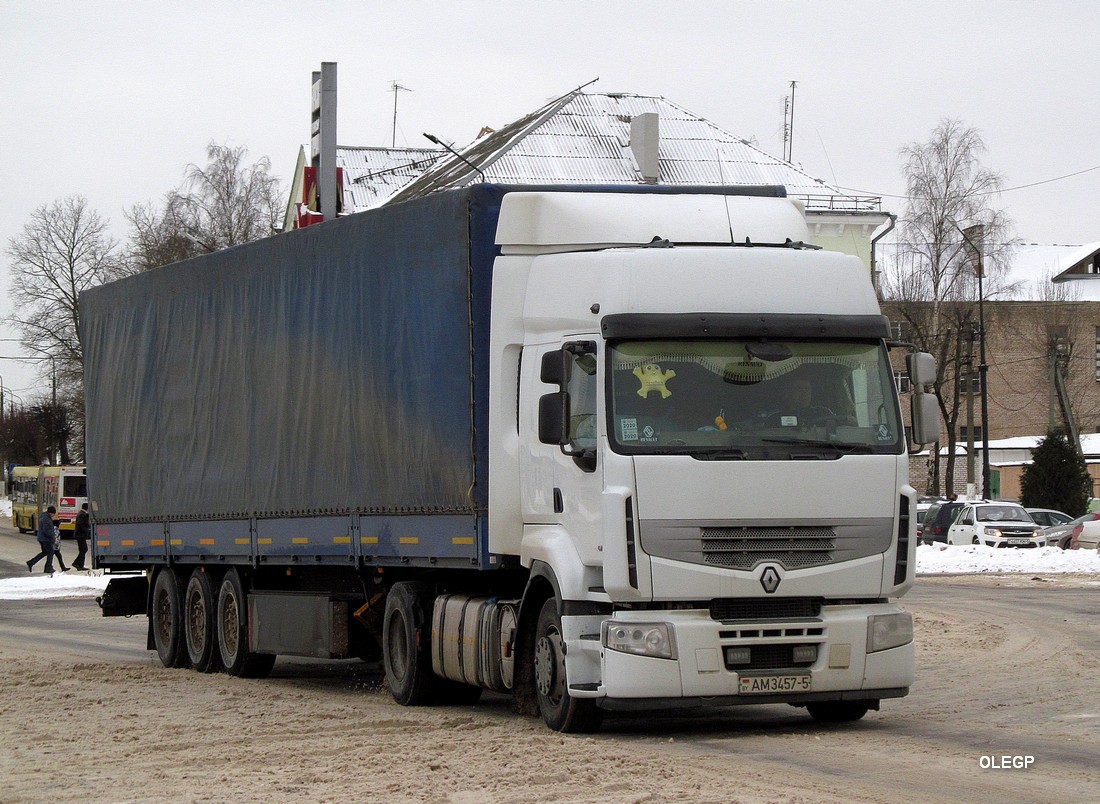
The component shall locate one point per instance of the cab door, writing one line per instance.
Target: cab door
(569, 425)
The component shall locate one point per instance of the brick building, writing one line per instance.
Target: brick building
(1045, 317)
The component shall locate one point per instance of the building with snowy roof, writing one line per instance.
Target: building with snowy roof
(596, 138)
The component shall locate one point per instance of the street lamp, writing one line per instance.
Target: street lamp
(974, 238)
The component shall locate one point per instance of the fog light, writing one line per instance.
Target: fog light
(805, 654)
(885, 631)
(643, 639)
(738, 655)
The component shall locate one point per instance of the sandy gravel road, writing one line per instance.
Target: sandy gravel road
(1008, 667)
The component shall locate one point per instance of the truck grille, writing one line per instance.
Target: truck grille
(775, 608)
(746, 547)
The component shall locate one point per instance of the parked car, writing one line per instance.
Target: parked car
(937, 520)
(1086, 534)
(996, 524)
(1061, 535)
(923, 504)
(1048, 516)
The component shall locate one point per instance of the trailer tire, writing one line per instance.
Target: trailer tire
(560, 711)
(838, 711)
(166, 619)
(232, 632)
(200, 609)
(406, 645)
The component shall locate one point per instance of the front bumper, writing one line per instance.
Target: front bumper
(701, 673)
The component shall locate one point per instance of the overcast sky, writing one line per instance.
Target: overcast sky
(111, 100)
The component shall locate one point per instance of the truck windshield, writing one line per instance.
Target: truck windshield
(752, 399)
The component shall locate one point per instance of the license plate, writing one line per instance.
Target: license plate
(1019, 541)
(764, 685)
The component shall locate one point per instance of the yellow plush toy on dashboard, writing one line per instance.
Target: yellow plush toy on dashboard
(653, 379)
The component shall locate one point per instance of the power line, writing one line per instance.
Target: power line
(988, 192)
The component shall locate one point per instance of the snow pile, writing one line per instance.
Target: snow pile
(39, 585)
(938, 558)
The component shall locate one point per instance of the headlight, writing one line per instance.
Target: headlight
(643, 639)
(993, 532)
(885, 631)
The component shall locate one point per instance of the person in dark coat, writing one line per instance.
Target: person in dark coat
(82, 533)
(47, 538)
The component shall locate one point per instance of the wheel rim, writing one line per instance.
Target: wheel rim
(162, 621)
(550, 668)
(229, 624)
(397, 647)
(196, 620)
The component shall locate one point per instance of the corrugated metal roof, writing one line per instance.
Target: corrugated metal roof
(372, 175)
(584, 138)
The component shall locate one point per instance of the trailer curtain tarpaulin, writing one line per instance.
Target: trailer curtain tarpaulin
(322, 370)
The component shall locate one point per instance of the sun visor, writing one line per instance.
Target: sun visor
(549, 222)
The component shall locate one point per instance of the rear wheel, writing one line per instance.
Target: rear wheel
(232, 632)
(560, 711)
(406, 646)
(166, 619)
(838, 711)
(200, 605)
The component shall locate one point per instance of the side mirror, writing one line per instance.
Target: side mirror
(553, 415)
(555, 368)
(925, 418)
(921, 368)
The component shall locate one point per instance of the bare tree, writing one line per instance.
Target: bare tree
(932, 283)
(62, 251)
(225, 203)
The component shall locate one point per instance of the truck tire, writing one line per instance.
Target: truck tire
(200, 606)
(406, 645)
(838, 711)
(166, 619)
(232, 632)
(560, 711)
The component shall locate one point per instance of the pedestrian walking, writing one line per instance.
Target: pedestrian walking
(82, 533)
(50, 542)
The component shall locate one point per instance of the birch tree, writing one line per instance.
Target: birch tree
(932, 283)
(224, 203)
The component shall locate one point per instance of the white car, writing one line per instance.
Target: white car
(996, 524)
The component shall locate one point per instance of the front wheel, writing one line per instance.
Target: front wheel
(838, 711)
(560, 711)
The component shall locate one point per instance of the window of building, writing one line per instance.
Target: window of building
(901, 380)
(964, 432)
(1098, 354)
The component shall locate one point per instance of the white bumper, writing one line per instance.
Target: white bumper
(842, 668)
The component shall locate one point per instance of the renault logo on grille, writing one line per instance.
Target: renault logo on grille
(770, 579)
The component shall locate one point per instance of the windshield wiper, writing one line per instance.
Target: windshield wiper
(720, 455)
(842, 446)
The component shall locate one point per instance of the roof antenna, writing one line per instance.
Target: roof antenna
(395, 88)
(725, 197)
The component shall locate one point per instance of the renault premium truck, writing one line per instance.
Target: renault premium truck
(601, 448)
